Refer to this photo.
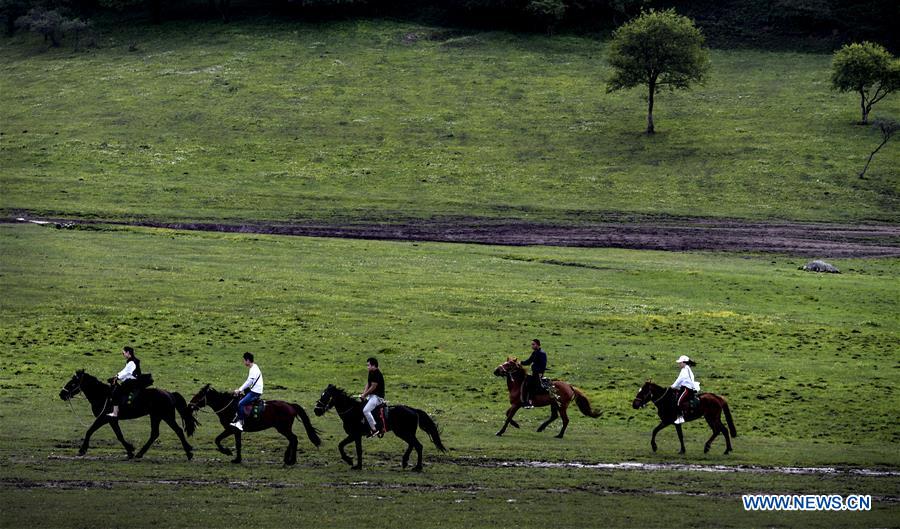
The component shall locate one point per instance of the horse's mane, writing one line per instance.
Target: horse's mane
(87, 377)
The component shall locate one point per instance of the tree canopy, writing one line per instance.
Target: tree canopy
(867, 69)
(659, 49)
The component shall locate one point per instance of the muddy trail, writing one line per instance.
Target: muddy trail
(822, 240)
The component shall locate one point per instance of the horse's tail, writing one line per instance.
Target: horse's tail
(584, 405)
(311, 431)
(187, 418)
(428, 426)
(728, 419)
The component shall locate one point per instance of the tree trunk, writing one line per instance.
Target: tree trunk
(650, 129)
(864, 107)
(863, 173)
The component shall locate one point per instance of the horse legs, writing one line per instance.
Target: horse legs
(656, 430)
(565, 419)
(237, 446)
(412, 442)
(173, 424)
(716, 425)
(553, 415)
(219, 438)
(290, 453)
(680, 437)
(510, 413)
(347, 459)
(98, 422)
(129, 448)
(154, 435)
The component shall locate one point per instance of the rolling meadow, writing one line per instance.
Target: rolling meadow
(385, 121)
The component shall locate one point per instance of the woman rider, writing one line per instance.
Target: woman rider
(124, 381)
(688, 386)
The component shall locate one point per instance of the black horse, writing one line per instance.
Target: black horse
(711, 408)
(402, 420)
(159, 404)
(276, 414)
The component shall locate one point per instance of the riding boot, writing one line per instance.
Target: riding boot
(239, 424)
(115, 412)
(680, 419)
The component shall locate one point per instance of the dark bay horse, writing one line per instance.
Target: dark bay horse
(402, 420)
(159, 404)
(514, 373)
(665, 399)
(276, 414)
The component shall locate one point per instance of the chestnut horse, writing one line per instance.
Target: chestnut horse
(514, 373)
(277, 414)
(666, 401)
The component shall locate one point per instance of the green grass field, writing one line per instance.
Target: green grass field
(378, 120)
(286, 121)
(808, 362)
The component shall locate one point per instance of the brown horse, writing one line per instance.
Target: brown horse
(277, 414)
(666, 401)
(514, 373)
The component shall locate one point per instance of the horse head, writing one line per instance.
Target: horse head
(73, 386)
(508, 368)
(326, 401)
(199, 400)
(644, 395)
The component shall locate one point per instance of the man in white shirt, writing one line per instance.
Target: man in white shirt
(254, 388)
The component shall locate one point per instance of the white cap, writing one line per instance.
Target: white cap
(683, 358)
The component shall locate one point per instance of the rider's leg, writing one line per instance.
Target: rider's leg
(372, 402)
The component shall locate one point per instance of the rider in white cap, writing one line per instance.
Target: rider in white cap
(686, 383)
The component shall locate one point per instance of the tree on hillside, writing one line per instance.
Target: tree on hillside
(659, 49)
(548, 12)
(887, 127)
(867, 69)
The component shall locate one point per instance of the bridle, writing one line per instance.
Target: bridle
(205, 402)
(649, 400)
(74, 393)
(509, 374)
(325, 406)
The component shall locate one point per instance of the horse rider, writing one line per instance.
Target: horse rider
(688, 386)
(124, 381)
(253, 387)
(538, 363)
(373, 394)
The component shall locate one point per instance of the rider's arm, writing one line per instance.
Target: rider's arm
(682, 378)
(126, 372)
(370, 388)
(252, 377)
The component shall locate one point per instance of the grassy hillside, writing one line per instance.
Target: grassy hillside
(276, 121)
(808, 363)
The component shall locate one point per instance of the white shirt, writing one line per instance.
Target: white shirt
(127, 373)
(254, 380)
(686, 379)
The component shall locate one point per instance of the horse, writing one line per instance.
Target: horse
(402, 420)
(665, 399)
(159, 404)
(276, 414)
(559, 401)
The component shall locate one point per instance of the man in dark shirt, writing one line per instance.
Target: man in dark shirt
(538, 363)
(373, 394)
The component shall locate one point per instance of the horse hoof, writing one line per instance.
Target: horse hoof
(190, 455)
(226, 451)
(129, 455)
(705, 449)
(681, 452)
(356, 467)
(558, 436)
(653, 447)
(417, 468)
(236, 461)
(82, 452)
(499, 434)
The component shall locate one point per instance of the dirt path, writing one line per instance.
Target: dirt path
(644, 233)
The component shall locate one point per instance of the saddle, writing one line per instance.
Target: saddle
(255, 409)
(380, 414)
(142, 382)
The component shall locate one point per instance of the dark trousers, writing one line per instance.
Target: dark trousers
(121, 390)
(531, 386)
(684, 400)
